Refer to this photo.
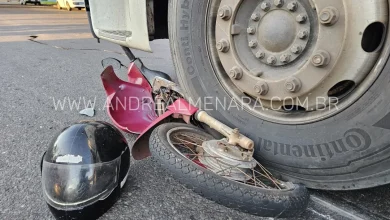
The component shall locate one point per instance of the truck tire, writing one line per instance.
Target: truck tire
(348, 149)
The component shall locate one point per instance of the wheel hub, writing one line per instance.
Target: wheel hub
(295, 52)
(220, 157)
(274, 32)
(276, 39)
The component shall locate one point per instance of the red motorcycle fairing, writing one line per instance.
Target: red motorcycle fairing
(130, 104)
(131, 107)
(135, 76)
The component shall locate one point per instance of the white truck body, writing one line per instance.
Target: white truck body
(128, 27)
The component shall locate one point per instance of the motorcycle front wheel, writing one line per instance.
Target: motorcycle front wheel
(174, 147)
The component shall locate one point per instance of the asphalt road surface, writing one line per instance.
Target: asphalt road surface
(48, 57)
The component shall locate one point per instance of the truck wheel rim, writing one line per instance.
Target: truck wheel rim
(295, 61)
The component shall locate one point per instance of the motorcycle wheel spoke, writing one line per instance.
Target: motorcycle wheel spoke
(189, 146)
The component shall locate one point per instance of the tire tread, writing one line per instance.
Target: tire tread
(252, 200)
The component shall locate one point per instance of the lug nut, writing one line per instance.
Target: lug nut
(279, 3)
(325, 17)
(329, 16)
(303, 34)
(285, 58)
(321, 58)
(236, 73)
(252, 44)
(223, 46)
(301, 18)
(292, 6)
(261, 88)
(255, 17)
(293, 84)
(251, 30)
(225, 12)
(260, 54)
(265, 6)
(296, 49)
(271, 60)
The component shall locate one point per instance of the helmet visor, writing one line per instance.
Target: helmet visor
(74, 186)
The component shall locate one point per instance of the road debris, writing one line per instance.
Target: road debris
(88, 112)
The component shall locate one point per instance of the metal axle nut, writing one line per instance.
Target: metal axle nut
(279, 3)
(261, 88)
(293, 85)
(236, 73)
(260, 54)
(303, 34)
(252, 44)
(271, 60)
(225, 12)
(293, 6)
(251, 30)
(301, 18)
(296, 49)
(255, 17)
(285, 58)
(265, 6)
(223, 46)
(321, 58)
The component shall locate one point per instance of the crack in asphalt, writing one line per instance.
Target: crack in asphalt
(347, 214)
(328, 217)
(33, 37)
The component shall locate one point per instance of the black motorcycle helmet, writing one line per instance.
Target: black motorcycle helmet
(84, 170)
